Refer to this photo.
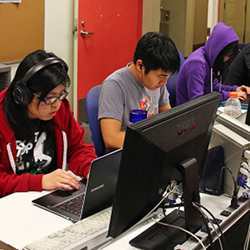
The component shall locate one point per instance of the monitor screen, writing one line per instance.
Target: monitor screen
(152, 153)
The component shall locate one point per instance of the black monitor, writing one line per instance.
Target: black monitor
(170, 145)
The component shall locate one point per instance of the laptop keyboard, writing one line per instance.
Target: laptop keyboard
(73, 205)
(85, 234)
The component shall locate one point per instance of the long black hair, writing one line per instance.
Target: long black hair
(40, 83)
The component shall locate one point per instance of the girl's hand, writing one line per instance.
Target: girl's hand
(60, 179)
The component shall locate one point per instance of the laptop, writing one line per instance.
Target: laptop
(92, 196)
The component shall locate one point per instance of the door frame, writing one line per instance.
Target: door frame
(74, 85)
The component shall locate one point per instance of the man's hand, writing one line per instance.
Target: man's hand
(242, 95)
(244, 88)
(243, 91)
(60, 179)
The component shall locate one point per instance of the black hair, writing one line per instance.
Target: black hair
(41, 83)
(230, 50)
(157, 51)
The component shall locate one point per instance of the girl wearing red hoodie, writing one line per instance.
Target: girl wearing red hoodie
(39, 138)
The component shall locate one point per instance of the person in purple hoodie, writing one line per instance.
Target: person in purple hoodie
(196, 74)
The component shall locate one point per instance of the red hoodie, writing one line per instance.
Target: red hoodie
(71, 150)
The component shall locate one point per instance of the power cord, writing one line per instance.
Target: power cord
(221, 236)
(205, 221)
(166, 193)
(234, 201)
(170, 201)
(246, 244)
(184, 230)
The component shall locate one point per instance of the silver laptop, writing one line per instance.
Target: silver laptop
(92, 196)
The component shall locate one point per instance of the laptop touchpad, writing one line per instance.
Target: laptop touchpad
(58, 196)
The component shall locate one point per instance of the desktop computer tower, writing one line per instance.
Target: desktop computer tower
(234, 146)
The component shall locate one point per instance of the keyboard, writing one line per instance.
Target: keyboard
(73, 206)
(85, 234)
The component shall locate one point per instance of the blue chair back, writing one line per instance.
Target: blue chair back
(171, 84)
(92, 104)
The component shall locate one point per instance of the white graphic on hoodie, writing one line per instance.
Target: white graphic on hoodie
(39, 149)
(28, 150)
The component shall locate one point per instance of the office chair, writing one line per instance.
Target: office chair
(171, 84)
(92, 112)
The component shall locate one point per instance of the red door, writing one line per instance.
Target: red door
(108, 32)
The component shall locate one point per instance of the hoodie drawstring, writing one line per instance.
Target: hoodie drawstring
(65, 148)
(11, 158)
(211, 80)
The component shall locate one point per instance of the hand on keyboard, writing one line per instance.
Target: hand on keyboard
(60, 179)
(77, 177)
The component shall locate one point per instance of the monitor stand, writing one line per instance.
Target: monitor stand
(159, 236)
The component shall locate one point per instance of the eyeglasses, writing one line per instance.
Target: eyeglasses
(49, 100)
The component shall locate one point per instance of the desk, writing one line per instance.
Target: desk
(215, 204)
(23, 223)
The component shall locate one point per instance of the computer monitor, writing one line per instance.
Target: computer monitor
(169, 145)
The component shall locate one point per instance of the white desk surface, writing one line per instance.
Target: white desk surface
(23, 223)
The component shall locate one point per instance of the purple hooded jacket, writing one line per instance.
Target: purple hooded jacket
(195, 74)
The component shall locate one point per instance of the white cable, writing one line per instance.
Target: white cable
(246, 244)
(184, 230)
(165, 195)
(213, 226)
(219, 239)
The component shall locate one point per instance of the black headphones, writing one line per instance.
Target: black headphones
(22, 95)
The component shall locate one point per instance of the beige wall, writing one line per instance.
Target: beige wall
(58, 32)
(212, 19)
(175, 26)
(233, 13)
(180, 23)
(58, 28)
(151, 15)
(186, 21)
(247, 32)
(200, 21)
(189, 27)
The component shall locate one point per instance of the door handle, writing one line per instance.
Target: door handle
(86, 33)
